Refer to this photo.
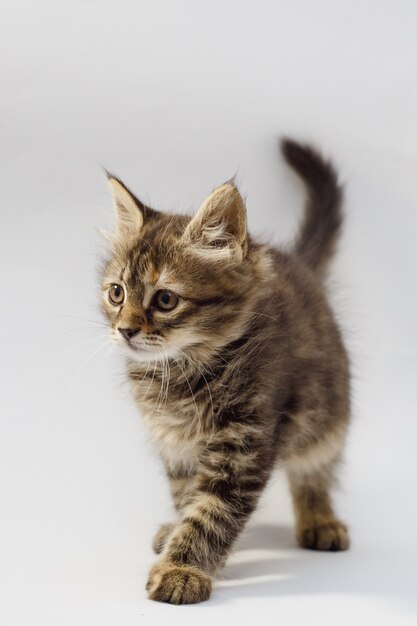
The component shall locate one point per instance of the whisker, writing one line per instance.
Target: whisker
(105, 343)
(189, 385)
(204, 378)
(153, 376)
(87, 340)
(48, 343)
(75, 317)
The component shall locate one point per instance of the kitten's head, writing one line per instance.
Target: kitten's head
(174, 284)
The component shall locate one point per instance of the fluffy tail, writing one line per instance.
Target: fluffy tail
(321, 227)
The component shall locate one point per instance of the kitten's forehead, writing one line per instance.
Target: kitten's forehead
(144, 264)
(159, 259)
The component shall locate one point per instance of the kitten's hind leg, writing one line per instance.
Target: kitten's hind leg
(317, 527)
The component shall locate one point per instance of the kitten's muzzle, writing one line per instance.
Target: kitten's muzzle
(128, 333)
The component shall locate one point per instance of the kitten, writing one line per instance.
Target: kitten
(237, 365)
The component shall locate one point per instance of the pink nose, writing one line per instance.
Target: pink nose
(128, 333)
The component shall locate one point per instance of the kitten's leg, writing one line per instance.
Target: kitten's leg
(317, 527)
(229, 483)
(182, 488)
(161, 537)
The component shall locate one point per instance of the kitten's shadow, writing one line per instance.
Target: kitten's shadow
(306, 572)
(266, 537)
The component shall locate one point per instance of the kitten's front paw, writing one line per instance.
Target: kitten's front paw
(331, 536)
(177, 584)
(161, 537)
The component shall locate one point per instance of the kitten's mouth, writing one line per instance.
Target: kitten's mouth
(148, 351)
(146, 348)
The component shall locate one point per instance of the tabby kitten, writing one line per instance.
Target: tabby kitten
(237, 365)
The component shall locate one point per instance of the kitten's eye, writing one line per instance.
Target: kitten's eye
(116, 294)
(166, 300)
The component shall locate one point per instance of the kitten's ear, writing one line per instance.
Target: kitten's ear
(129, 210)
(219, 226)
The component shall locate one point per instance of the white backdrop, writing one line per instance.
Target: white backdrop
(175, 97)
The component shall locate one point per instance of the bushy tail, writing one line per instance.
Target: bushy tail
(322, 222)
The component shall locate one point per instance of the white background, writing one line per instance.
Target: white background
(175, 97)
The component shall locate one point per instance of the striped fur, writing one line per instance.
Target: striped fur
(246, 372)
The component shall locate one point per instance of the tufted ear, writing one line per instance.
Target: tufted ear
(130, 212)
(219, 226)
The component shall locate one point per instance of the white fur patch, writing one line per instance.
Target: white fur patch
(177, 439)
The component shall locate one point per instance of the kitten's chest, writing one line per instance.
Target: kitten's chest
(177, 436)
(177, 421)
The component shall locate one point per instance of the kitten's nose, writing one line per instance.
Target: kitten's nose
(128, 333)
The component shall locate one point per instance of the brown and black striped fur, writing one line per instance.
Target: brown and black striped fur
(248, 370)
